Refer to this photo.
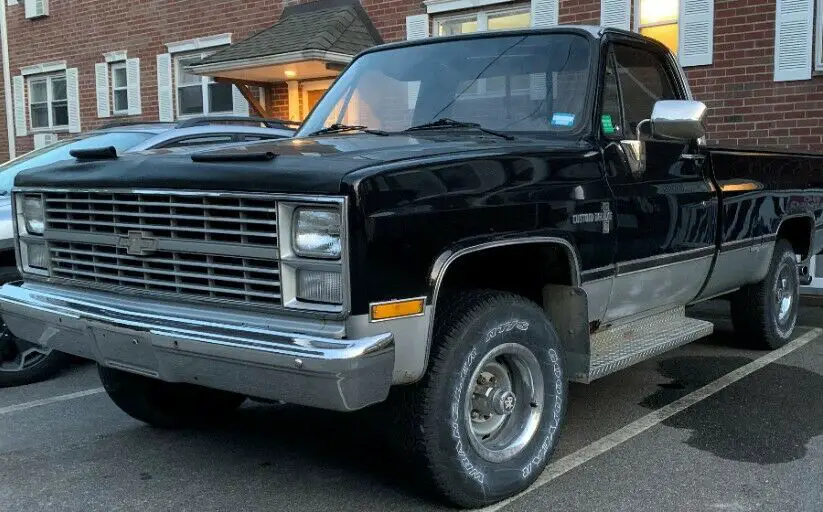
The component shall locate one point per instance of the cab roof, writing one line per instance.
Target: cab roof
(591, 31)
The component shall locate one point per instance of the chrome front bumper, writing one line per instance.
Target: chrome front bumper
(300, 362)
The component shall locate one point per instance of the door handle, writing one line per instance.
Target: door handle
(695, 157)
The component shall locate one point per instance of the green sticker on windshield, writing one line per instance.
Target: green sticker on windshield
(606, 123)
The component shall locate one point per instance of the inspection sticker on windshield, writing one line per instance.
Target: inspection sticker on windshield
(562, 119)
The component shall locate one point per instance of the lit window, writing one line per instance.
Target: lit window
(483, 21)
(480, 22)
(199, 94)
(48, 102)
(658, 19)
(119, 88)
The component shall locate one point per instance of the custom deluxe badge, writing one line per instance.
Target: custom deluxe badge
(604, 216)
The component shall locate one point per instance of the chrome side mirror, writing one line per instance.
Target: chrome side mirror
(678, 120)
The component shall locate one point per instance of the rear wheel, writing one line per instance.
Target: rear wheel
(765, 313)
(486, 417)
(166, 404)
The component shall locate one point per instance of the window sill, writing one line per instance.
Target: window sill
(55, 129)
(195, 116)
(438, 6)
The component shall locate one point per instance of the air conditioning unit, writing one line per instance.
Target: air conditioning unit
(37, 8)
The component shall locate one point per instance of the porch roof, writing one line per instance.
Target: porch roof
(311, 40)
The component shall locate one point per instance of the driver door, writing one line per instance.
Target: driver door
(665, 208)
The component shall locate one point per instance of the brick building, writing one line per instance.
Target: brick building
(74, 65)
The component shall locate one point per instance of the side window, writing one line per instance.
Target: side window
(200, 140)
(643, 81)
(611, 118)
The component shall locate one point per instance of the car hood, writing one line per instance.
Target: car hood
(300, 165)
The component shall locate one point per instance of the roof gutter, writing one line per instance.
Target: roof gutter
(270, 60)
(4, 42)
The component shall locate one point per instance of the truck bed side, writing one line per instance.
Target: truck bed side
(763, 194)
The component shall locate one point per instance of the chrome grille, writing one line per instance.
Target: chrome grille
(241, 220)
(219, 248)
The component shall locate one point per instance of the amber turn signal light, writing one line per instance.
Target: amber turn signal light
(397, 309)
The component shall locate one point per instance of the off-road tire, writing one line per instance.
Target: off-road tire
(473, 325)
(754, 308)
(166, 404)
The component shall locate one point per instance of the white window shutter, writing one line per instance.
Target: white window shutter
(73, 99)
(165, 94)
(615, 13)
(544, 13)
(133, 83)
(696, 32)
(793, 40)
(101, 83)
(239, 103)
(417, 27)
(19, 86)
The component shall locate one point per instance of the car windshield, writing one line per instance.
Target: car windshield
(514, 83)
(122, 141)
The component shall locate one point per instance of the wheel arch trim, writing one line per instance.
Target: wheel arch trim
(449, 256)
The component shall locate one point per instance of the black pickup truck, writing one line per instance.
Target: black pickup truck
(461, 226)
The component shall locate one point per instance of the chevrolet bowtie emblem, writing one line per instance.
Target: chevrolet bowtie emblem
(138, 243)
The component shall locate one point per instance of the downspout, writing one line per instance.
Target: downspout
(4, 41)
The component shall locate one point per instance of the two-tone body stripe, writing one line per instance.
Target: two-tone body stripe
(639, 265)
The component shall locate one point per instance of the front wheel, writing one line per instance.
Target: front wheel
(765, 313)
(488, 412)
(166, 404)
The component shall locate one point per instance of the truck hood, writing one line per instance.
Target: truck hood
(307, 165)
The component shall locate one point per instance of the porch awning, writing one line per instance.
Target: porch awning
(310, 41)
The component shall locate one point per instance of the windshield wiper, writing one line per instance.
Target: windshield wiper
(338, 128)
(445, 122)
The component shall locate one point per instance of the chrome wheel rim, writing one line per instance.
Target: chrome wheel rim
(504, 402)
(785, 289)
(17, 355)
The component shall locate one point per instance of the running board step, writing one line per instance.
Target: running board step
(624, 345)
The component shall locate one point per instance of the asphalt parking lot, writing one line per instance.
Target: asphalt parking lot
(711, 426)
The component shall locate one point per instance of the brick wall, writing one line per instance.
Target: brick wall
(746, 107)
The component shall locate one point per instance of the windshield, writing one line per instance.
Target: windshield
(523, 83)
(122, 141)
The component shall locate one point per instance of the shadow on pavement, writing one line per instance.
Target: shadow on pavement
(766, 418)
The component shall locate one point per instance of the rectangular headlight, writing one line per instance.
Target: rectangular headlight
(319, 286)
(317, 233)
(33, 214)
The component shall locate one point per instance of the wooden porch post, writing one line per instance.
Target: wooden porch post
(243, 87)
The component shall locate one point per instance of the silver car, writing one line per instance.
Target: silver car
(23, 363)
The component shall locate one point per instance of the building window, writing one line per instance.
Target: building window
(658, 19)
(199, 94)
(507, 19)
(479, 22)
(119, 88)
(48, 102)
